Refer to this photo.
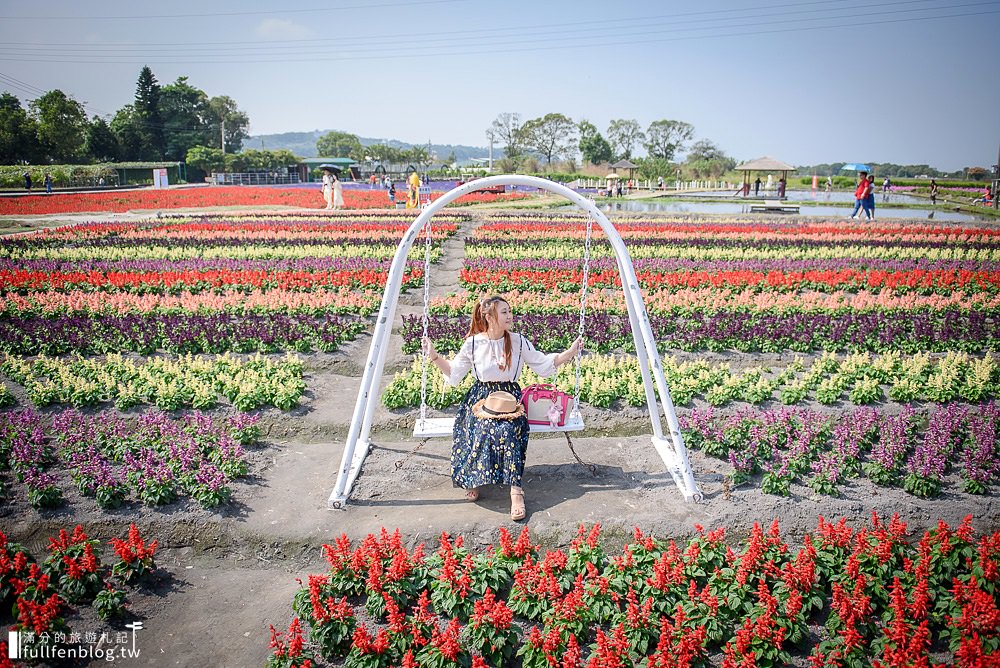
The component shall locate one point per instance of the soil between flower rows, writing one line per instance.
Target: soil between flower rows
(224, 576)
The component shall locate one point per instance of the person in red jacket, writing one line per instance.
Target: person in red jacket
(862, 191)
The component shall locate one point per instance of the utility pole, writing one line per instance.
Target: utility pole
(489, 135)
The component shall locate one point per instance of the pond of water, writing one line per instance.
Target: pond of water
(814, 196)
(828, 211)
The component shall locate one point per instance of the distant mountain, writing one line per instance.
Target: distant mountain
(303, 144)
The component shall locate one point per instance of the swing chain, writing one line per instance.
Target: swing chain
(424, 358)
(583, 312)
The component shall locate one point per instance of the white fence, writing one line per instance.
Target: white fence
(650, 184)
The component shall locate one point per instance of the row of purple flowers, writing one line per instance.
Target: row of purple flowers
(911, 449)
(155, 458)
(785, 265)
(177, 333)
(750, 331)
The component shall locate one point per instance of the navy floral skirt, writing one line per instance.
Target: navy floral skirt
(488, 452)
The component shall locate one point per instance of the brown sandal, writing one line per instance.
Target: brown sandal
(517, 511)
(472, 494)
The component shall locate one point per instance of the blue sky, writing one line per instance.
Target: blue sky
(904, 81)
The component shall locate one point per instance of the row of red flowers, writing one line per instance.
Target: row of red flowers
(350, 225)
(917, 279)
(872, 597)
(204, 279)
(245, 196)
(39, 595)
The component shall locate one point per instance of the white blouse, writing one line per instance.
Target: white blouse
(482, 355)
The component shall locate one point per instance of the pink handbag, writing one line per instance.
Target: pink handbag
(541, 403)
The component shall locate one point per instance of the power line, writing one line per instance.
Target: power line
(538, 31)
(425, 41)
(493, 48)
(323, 8)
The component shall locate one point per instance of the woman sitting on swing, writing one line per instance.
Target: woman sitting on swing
(491, 430)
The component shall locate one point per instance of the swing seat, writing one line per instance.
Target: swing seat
(443, 426)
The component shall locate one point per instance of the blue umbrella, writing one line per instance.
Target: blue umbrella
(856, 167)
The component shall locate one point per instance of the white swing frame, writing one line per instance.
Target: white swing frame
(671, 450)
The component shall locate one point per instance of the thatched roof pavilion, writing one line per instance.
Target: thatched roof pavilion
(765, 164)
(625, 164)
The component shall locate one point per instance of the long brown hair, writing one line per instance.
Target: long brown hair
(479, 325)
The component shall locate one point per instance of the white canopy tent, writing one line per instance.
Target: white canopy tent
(671, 451)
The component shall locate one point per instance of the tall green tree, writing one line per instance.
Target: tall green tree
(127, 128)
(149, 122)
(505, 130)
(61, 126)
(417, 155)
(18, 132)
(187, 119)
(224, 111)
(707, 159)
(665, 138)
(380, 153)
(552, 135)
(339, 145)
(101, 144)
(594, 148)
(624, 135)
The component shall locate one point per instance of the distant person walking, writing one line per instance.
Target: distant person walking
(860, 194)
(328, 179)
(756, 187)
(392, 192)
(781, 188)
(869, 203)
(829, 183)
(659, 182)
(27, 181)
(338, 193)
(886, 185)
(934, 191)
(48, 183)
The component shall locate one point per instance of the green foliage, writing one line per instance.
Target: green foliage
(340, 145)
(18, 132)
(147, 123)
(505, 131)
(665, 138)
(652, 167)
(206, 159)
(101, 144)
(624, 135)
(61, 126)
(552, 135)
(187, 119)
(593, 146)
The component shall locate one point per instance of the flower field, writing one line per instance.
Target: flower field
(178, 314)
(233, 196)
(42, 594)
(848, 595)
(813, 364)
(900, 318)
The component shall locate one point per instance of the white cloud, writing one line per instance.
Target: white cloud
(282, 29)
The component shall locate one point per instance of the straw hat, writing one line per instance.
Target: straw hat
(498, 406)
